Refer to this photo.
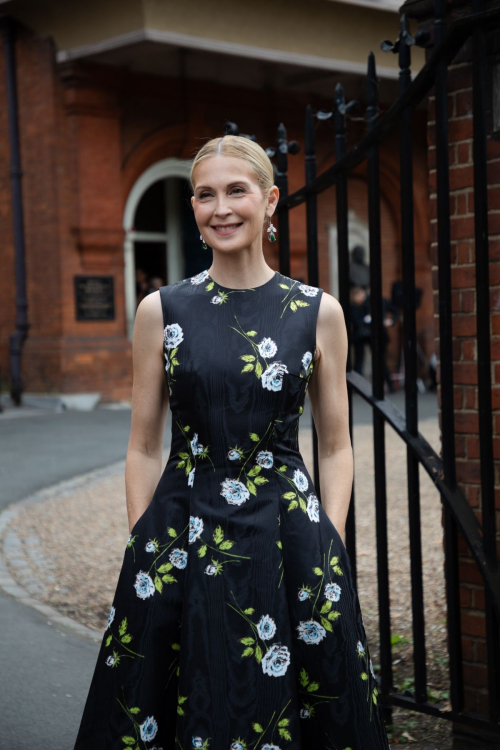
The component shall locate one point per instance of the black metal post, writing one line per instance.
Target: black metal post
(446, 364)
(341, 196)
(281, 152)
(17, 339)
(410, 359)
(377, 347)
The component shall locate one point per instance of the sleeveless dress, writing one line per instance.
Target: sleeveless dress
(235, 623)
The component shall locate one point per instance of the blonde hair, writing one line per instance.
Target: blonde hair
(241, 148)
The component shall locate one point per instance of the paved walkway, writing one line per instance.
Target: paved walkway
(45, 668)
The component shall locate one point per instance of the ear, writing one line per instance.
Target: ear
(192, 201)
(273, 199)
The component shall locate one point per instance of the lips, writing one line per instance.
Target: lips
(225, 228)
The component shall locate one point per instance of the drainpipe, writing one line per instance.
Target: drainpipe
(17, 339)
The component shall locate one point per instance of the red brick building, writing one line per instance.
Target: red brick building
(112, 107)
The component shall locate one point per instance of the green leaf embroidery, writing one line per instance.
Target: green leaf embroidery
(218, 535)
(260, 480)
(169, 579)
(158, 584)
(247, 640)
(251, 487)
(165, 568)
(123, 626)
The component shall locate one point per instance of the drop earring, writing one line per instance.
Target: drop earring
(204, 244)
(271, 232)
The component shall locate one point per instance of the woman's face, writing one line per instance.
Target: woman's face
(229, 207)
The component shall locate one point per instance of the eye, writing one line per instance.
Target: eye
(238, 188)
(203, 195)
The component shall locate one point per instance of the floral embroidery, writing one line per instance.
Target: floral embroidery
(271, 374)
(311, 631)
(131, 542)
(199, 278)
(311, 688)
(233, 489)
(196, 451)
(196, 527)
(281, 725)
(297, 498)
(367, 666)
(275, 659)
(122, 639)
(173, 335)
(272, 378)
(293, 301)
(143, 585)
(144, 731)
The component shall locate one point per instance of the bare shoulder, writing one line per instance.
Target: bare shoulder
(331, 329)
(149, 318)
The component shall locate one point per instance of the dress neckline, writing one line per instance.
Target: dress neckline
(244, 289)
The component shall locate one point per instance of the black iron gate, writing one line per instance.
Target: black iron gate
(471, 28)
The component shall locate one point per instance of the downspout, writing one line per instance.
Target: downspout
(17, 339)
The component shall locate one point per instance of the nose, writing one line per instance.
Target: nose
(222, 209)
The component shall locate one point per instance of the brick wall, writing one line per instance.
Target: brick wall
(465, 349)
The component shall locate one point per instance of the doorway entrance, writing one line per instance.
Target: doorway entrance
(162, 242)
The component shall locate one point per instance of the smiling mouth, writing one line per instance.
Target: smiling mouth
(225, 228)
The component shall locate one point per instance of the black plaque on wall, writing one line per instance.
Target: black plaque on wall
(94, 298)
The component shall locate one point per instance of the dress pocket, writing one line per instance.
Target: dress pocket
(325, 518)
(140, 521)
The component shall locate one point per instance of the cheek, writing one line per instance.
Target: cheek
(202, 214)
(248, 210)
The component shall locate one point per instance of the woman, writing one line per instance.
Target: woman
(235, 624)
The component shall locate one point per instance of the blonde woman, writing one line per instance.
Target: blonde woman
(235, 624)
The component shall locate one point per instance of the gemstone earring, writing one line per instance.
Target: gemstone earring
(204, 244)
(271, 232)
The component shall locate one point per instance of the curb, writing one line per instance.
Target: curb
(14, 589)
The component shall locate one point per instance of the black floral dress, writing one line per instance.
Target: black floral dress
(235, 624)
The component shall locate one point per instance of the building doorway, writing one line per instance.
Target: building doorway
(162, 242)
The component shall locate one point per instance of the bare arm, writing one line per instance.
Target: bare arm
(330, 409)
(149, 408)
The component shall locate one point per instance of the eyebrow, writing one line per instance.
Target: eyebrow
(236, 182)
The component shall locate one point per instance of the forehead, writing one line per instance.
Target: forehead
(218, 171)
